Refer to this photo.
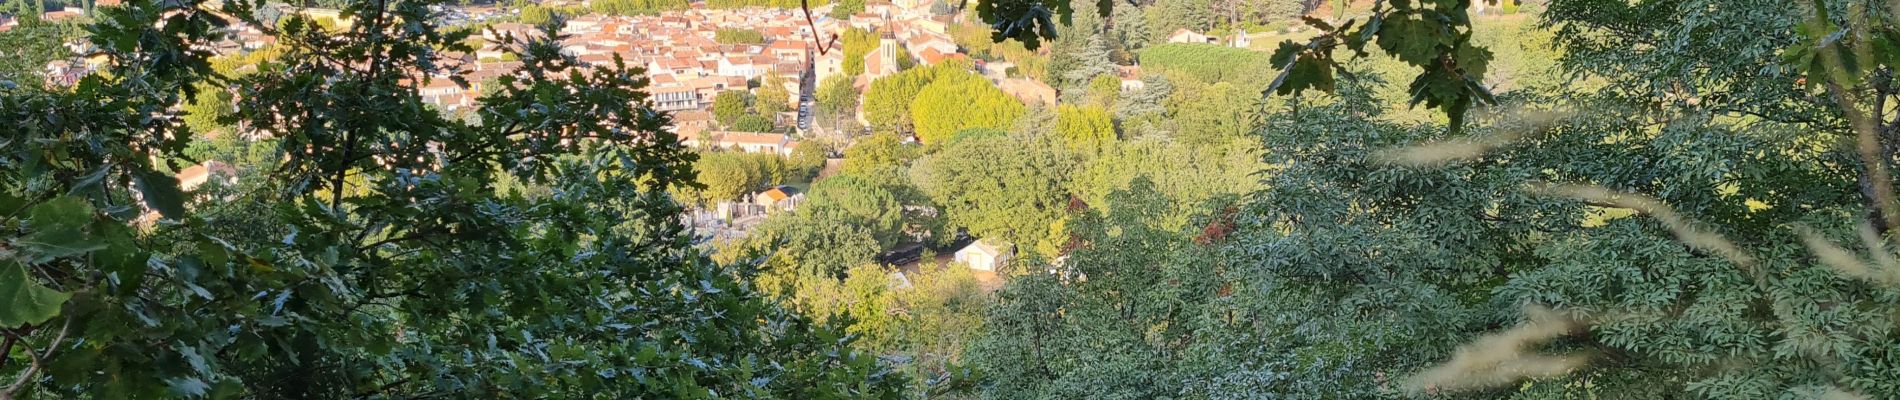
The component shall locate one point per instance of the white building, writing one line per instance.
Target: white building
(984, 256)
(1184, 35)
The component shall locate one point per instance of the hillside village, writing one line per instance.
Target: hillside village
(690, 68)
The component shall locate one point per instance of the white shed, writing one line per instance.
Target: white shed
(983, 255)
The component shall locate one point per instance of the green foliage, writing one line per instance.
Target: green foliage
(728, 106)
(730, 175)
(1225, 246)
(1753, 34)
(27, 301)
(374, 256)
(1084, 129)
(1166, 17)
(738, 36)
(837, 96)
(1340, 236)
(1129, 33)
(1029, 63)
(1025, 21)
(1526, 61)
(1115, 334)
(879, 155)
(931, 322)
(846, 8)
(1103, 91)
(1134, 328)
(921, 325)
(1079, 44)
(637, 7)
(808, 252)
(1350, 269)
(202, 113)
(887, 102)
(1208, 63)
(959, 100)
(905, 60)
(1433, 36)
(752, 123)
(32, 44)
(26, 11)
(1000, 188)
(1261, 12)
(773, 97)
(974, 40)
(1197, 178)
(536, 14)
(857, 43)
(860, 202)
(1079, 65)
(1142, 112)
(1216, 114)
(764, 3)
(807, 160)
(233, 150)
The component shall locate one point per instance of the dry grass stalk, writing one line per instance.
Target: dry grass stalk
(1885, 271)
(1685, 231)
(1470, 147)
(1505, 357)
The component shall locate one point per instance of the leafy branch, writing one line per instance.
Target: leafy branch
(36, 359)
(1433, 36)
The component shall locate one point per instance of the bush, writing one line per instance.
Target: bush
(752, 123)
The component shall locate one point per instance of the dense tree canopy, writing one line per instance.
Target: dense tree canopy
(373, 257)
(730, 105)
(1598, 200)
(1208, 63)
(637, 7)
(846, 8)
(773, 96)
(731, 175)
(1165, 17)
(1000, 187)
(857, 43)
(1084, 129)
(959, 100)
(738, 36)
(860, 201)
(1630, 242)
(887, 102)
(879, 155)
(1216, 114)
(30, 45)
(536, 14)
(764, 3)
(752, 123)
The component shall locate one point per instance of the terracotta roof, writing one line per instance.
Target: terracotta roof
(691, 116)
(778, 193)
(196, 175)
